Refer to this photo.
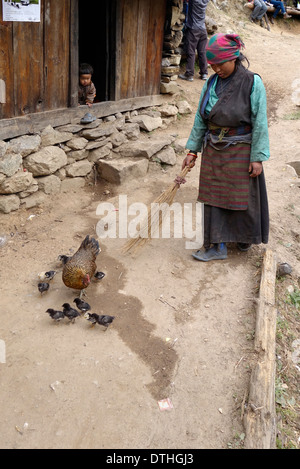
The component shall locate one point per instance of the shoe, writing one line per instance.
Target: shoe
(211, 254)
(243, 246)
(271, 20)
(204, 76)
(286, 16)
(186, 77)
(87, 118)
(261, 23)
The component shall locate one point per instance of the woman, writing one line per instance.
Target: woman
(231, 130)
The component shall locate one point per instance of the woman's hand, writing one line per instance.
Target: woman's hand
(255, 169)
(189, 160)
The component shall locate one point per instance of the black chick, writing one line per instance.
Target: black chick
(99, 275)
(50, 274)
(64, 259)
(103, 320)
(82, 305)
(43, 286)
(55, 315)
(69, 312)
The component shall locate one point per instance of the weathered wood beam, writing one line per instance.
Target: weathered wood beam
(260, 417)
(33, 123)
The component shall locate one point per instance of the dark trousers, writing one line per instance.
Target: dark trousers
(195, 40)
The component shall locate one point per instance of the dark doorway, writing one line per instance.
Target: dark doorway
(97, 44)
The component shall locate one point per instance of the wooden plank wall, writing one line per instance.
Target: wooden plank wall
(35, 61)
(140, 31)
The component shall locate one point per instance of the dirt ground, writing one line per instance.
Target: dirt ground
(183, 330)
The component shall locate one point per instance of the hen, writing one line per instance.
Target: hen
(81, 267)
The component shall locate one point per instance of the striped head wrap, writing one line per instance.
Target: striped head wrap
(223, 47)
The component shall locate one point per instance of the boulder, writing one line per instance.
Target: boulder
(100, 153)
(146, 122)
(9, 203)
(169, 88)
(10, 164)
(131, 130)
(46, 161)
(79, 169)
(183, 107)
(167, 156)
(118, 171)
(3, 148)
(77, 143)
(34, 200)
(24, 145)
(49, 184)
(103, 130)
(144, 148)
(168, 110)
(17, 183)
(51, 136)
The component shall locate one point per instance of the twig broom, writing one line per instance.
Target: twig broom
(156, 211)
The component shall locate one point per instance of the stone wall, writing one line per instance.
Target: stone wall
(59, 159)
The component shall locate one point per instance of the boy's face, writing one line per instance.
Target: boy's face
(85, 79)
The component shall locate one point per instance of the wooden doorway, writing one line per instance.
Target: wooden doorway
(97, 44)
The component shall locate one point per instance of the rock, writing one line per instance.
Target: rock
(144, 148)
(72, 184)
(92, 145)
(132, 131)
(30, 190)
(17, 183)
(183, 107)
(168, 110)
(46, 161)
(104, 130)
(78, 155)
(9, 203)
(169, 88)
(10, 164)
(24, 145)
(3, 148)
(117, 139)
(51, 136)
(211, 25)
(100, 153)
(146, 122)
(120, 170)
(179, 145)
(79, 169)
(167, 156)
(49, 184)
(77, 143)
(283, 269)
(73, 128)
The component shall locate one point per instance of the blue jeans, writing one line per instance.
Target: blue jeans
(278, 6)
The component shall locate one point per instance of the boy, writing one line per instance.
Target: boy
(87, 90)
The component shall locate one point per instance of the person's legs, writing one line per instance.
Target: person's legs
(192, 38)
(202, 54)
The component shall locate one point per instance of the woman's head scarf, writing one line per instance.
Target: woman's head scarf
(223, 47)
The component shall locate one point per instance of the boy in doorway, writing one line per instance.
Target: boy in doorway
(87, 90)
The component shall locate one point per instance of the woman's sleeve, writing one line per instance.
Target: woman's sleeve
(260, 148)
(198, 131)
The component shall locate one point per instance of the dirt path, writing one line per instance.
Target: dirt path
(183, 329)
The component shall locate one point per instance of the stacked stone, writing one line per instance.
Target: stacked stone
(61, 159)
(171, 52)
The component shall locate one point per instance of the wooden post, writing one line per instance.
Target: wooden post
(260, 417)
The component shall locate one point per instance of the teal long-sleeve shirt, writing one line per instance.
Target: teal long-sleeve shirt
(260, 148)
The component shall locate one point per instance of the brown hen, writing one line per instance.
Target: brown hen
(81, 267)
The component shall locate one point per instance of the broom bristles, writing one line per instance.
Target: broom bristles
(152, 222)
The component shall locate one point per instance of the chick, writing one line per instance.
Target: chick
(99, 275)
(70, 312)
(103, 320)
(50, 274)
(43, 287)
(64, 259)
(82, 305)
(55, 315)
